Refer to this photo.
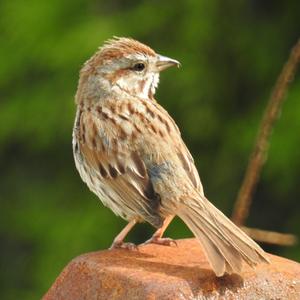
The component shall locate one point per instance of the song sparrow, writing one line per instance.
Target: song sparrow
(130, 153)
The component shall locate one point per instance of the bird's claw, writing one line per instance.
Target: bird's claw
(161, 241)
(127, 246)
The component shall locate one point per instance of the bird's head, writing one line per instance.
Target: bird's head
(122, 65)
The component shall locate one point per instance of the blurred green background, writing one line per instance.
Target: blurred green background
(231, 53)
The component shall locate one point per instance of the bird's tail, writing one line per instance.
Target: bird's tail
(226, 246)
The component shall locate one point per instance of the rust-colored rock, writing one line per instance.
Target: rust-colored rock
(162, 272)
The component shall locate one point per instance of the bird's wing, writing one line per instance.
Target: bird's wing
(117, 165)
(181, 150)
(189, 165)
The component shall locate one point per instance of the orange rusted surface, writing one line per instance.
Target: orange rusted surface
(176, 272)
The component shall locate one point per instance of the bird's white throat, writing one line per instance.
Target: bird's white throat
(142, 88)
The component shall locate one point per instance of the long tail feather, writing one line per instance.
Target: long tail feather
(225, 245)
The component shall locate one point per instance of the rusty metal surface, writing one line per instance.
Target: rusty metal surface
(161, 272)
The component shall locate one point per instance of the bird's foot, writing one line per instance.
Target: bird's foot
(161, 241)
(122, 245)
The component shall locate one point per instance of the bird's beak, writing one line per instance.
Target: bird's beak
(164, 62)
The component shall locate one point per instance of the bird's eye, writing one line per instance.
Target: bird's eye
(138, 67)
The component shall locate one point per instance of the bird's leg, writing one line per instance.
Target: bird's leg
(157, 236)
(119, 239)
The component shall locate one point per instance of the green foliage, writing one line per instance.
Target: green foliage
(231, 54)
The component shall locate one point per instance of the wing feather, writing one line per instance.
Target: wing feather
(119, 169)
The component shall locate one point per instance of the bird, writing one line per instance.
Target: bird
(130, 153)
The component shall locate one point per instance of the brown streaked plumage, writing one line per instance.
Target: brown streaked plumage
(130, 153)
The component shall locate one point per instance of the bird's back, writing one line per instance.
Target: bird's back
(133, 134)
